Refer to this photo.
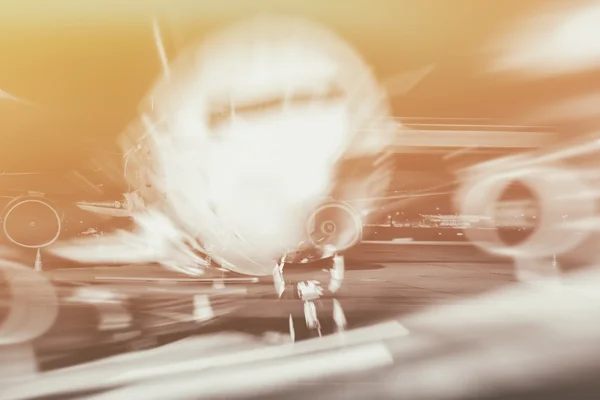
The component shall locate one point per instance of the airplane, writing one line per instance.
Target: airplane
(338, 217)
(334, 221)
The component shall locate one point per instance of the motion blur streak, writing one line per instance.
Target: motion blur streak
(155, 240)
(245, 139)
(264, 378)
(31, 303)
(560, 41)
(9, 97)
(525, 337)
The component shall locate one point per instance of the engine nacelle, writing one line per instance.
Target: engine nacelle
(31, 221)
(30, 305)
(335, 223)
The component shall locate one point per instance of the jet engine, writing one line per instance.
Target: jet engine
(31, 221)
(335, 223)
(28, 304)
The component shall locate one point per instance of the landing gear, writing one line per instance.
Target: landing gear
(314, 299)
(321, 318)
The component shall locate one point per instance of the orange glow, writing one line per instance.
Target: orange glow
(86, 66)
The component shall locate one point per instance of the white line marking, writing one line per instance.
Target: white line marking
(383, 331)
(182, 280)
(203, 310)
(262, 379)
(413, 243)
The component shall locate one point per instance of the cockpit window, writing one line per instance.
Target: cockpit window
(296, 99)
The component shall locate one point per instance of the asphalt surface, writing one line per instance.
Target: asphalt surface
(160, 307)
(375, 284)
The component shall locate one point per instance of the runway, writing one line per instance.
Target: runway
(376, 296)
(381, 278)
(243, 313)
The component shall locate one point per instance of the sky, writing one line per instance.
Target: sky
(82, 67)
